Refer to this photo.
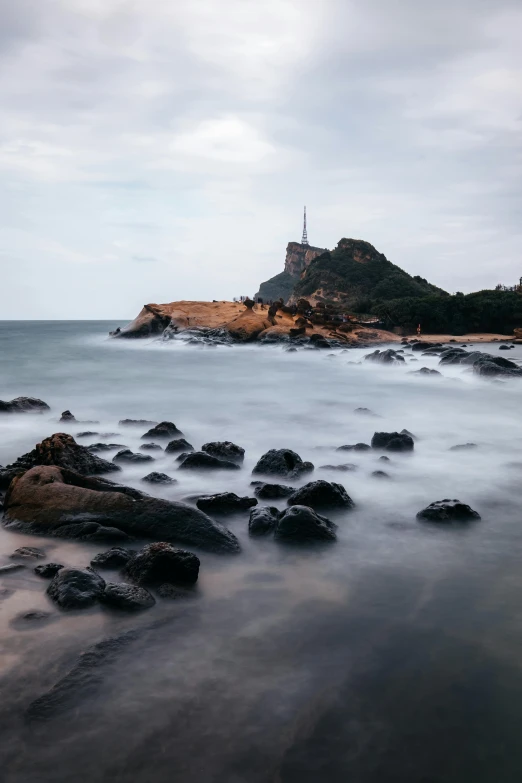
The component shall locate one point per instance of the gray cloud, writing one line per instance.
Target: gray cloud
(194, 131)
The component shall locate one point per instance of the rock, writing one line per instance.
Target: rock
(384, 357)
(319, 342)
(125, 596)
(282, 462)
(86, 434)
(54, 501)
(23, 405)
(159, 478)
(448, 511)
(504, 348)
(483, 364)
(392, 441)
(266, 491)
(7, 569)
(321, 495)
(302, 524)
(381, 474)
(128, 456)
(224, 450)
(180, 444)
(463, 447)
(151, 447)
(76, 588)
(113, 558)
(409, 434)
(248, 325)
(344, 468)
(263, 520)
(67, 416)
(166, 429)
(425, 371)
(60, 450)
(225, 503)
(366, 412)
(48, 570)
(384, 459)
(181, 457)
(200, 460)
(160, 562)
(137, 423)
(354, 447)
(28, 553)
(422, 346)
(94, 448)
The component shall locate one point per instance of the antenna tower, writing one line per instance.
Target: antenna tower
(304, 240)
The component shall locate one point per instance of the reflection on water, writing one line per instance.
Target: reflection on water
(391, 655)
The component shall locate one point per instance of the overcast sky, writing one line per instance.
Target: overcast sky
(155, 150)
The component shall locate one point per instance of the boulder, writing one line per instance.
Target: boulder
(248, 325)
(68, 416)
(366, 412)
(166, 429)
(94, 448)
(354, 447)
(224, 450)
(128, 597)
(463, 447)
(388, 356)
(346, 467)
(282, 462)
(302, 524)
(116, 557)
(48, 570)
(180, 444)
(60, 450)
(28, 553)
(380, 474)
(425, 371)
(504, 348)
(200, 460)
(448, 511)
(137, 423)
(225, 503)
(23, 405)
(265, 491)
(54, 501)
(76, 588)
(151, 447)
(392, 441)
(321, 495)
(158, 478)
(422, 346)
(160, 562)
(263, 520)
(127, 456)
(86, 434)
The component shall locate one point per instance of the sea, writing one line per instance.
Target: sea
(392, 655)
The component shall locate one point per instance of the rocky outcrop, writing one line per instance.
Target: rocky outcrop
(225, 450)
(483, 364)
(161, 563)
(448, 511)
(263, 520)
(248, 325)
(24, 405)
(282, 462)
(393, 441)
(298, 258)
(300, 524)
(321, 495)
(54, 501)
(225, 503)
(76, 588)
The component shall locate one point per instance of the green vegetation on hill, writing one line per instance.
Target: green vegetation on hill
(281, 285)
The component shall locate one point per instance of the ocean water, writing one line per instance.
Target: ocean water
(391, 655)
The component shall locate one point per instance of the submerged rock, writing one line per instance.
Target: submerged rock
(54, 501)
(224, 450)
(380, 474)
(302, 524)
(166, 429)
(180, 444)
(116, 557)
(265, 491)
(393, 441)
(158, 478)
(76, 588)
(48, 570)
(263, 520)
(388, 356)
(28, 553)
(137, 423)
(160, 562)
(343, 468)
(354, 447)
(463, 447)
(151, 447)
(128, 597)
(448, 511)
(68, 416)
(94, 448)
(321, 495)
(128, 456)
(200, 460)
(225, 503)
(23, 405)
(282, 462)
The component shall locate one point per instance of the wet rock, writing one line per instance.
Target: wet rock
(180, 444)
(463, 447)
(181, 457)
(137, 423)
(86, 434)
(94, 448)
(263, 520)
(224, 450)
(48, 570)
(425, 371)
(151, 447)
(113, 558)
(60, 450)
(381, 474)
(166, 429)
(354, 447)
(321, 495)
(68, 416)
(128, 597)
(422, 346)
(318, 341)
(346, 467)
(282, 462)
(265, 491)
(126, 455)
(504, 348)
(161, 562)
(225, 503)
(28, 553)
(392, 441)
(76, 588)
(23, 405)
(483, 364)
(200, 460)
(48, 500)
(448, 511)
(158, 478)
(7, 569)
(388, 356)
(302, 524)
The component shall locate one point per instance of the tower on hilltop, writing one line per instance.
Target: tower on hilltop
(304, 240)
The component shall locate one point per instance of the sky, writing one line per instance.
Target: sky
(157, 150)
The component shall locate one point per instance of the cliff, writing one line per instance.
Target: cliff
(298, 258)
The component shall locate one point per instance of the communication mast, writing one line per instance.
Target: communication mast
(304, 240)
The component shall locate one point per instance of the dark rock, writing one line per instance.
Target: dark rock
(116, 557)
(321, 495)
(282, 462)
(344, 468)
(318, 341)
(158, 478)
(23, 405)
(366, 412)
(266, 491)
(166, 429)
(137, 423)
(354, 447)
(161, 562)
(128, 597)
(94, 448)
(67, 416)
(302, 524)
(384, 459)
(151, 447)
(422, 346)
(425, 371)
(224, 450)
(182, 457)
(48, 570)
(86, 434)
(200, 460)
(10, 568)
(392, 441)
(54, 501)
(174, 592)
(448, 511)
(381, 474)
(410, 434)
(126, 455)
(76, 588)
(384, 357)
(263, 520)
(180, 444)
(504, 348)
(225, 503)
(61, 450)
(463, 447)
(28, 553)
